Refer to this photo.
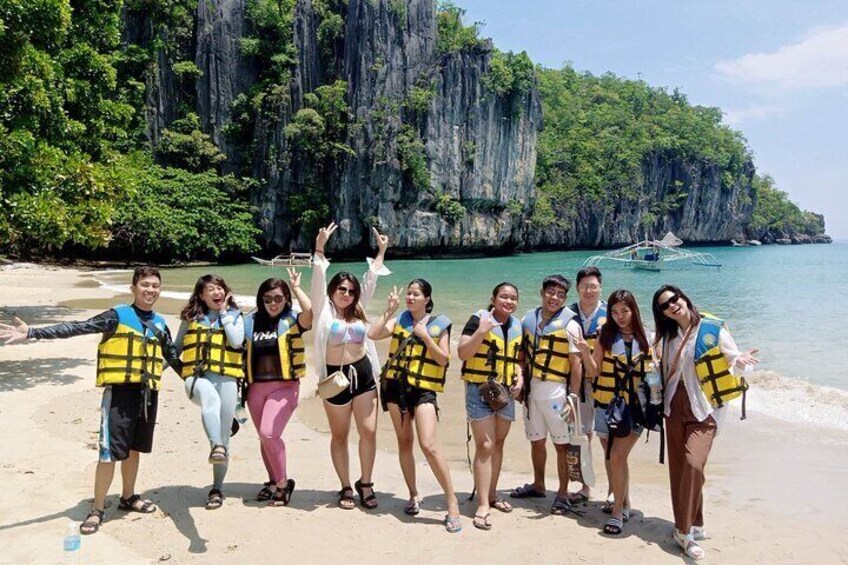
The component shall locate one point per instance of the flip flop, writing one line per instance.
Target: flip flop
(482, 522)
(412, 508)
(453, 525)
(526, 491)
(501, 505)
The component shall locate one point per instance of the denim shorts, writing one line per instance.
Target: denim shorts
(601, 424)
(476, 409)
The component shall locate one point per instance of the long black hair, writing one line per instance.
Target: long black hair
(262, 319)
(666, 327)
(426, 290)
(196, 307)
(610, 329)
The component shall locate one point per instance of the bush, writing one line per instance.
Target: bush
(449, 208)
(172, 214)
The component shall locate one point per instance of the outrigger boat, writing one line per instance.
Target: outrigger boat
(653, 255)
(286, 260)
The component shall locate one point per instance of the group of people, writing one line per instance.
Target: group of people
(588, 355)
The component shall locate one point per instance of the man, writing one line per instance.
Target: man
(591, 314)
(552, 360)
(129, 368)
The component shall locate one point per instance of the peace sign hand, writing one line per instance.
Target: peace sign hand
(324, 235)
(294, 277)
(393, 300)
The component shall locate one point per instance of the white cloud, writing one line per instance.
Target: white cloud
(819, 60)
(733, 117)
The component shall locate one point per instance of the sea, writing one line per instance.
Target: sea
(785, 301)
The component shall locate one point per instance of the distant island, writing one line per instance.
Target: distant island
(171, 130)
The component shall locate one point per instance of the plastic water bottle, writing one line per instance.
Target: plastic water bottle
(71, 544)
(653, 380)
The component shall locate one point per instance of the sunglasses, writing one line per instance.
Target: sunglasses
(667, 304)
(276, 299)
(347, 291)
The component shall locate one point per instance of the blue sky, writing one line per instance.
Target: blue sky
(777, 68)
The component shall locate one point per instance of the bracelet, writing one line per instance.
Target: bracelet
(321, 251)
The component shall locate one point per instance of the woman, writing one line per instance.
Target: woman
(341, 344)
(414, 373)
(697, 356)
(617, 366)
(275, 364)
(489, 348)
(210, 343)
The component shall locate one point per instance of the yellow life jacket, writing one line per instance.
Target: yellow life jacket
(614, 370)
(599, 318)
(290, 346)
(132, 354)
(205, 348)
(415, 361)
(497, 356)
(718, 384)
(548, 349)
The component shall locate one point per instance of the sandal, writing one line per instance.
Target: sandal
(369, 502)
(689, 545)
(607, 507)
(526, 491)
(215, 499)
(613, 527)
(282, 496)
(482, 522)
(625, 514)
(218, 455)
(698, 533)
(578, 498)
(89, 526)
(130, 505)
(346, 499)
(413, 507)
(501, 504)
(266, 493)
(453, 525)
(561, 506)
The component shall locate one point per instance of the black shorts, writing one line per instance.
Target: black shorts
(123, 426)
(390, 393)
(362, 383)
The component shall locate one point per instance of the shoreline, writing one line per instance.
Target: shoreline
(49, 403)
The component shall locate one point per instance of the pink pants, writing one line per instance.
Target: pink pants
(271, 404)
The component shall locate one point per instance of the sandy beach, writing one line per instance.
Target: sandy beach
(772, 492)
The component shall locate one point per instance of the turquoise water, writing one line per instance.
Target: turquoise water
(784, 300)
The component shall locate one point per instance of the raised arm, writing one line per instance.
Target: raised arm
(383, 326)
(318, 290)
(375, 269)
(305, 317)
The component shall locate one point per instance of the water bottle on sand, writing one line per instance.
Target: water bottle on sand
(71, 543)
(653, 380)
